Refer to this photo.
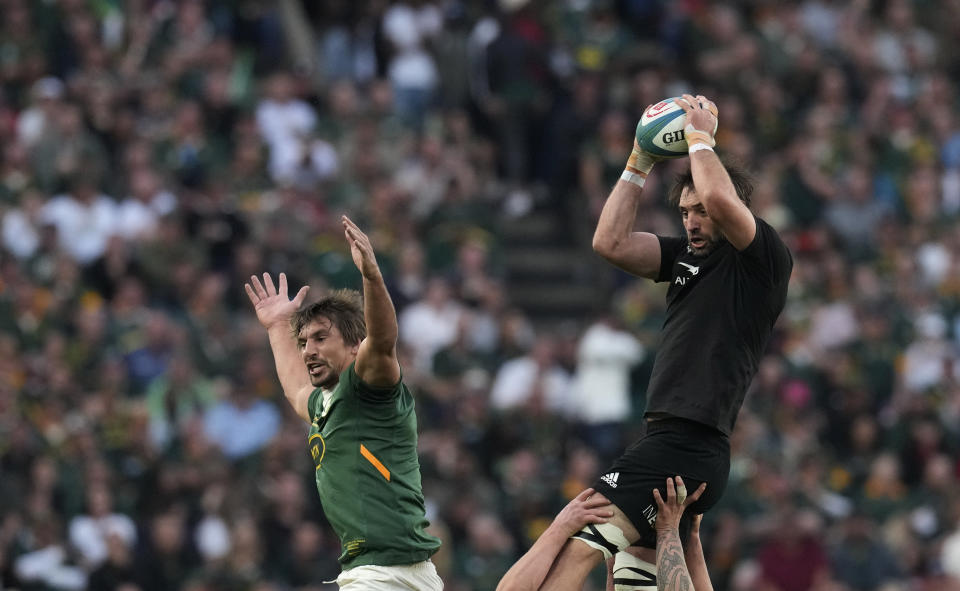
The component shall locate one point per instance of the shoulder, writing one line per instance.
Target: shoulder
(767, 253)
(367, 392)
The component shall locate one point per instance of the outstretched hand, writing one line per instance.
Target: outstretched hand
(701, 123)
(670, 511)
(587, 507)
(360, 249)
(273, 306)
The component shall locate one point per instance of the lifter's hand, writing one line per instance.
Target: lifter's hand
(360, 249)
(273, 306)
(670, 511)
(702, 120)
(587, 507)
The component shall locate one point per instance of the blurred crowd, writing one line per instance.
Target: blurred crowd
(156, 153)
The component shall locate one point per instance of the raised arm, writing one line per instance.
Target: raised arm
(614, 238)
(710, 179)
(529, 572)
(377, 363)
(672, 572)
(274, 310)
(696, 561)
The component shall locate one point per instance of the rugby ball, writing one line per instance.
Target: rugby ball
(660, 130)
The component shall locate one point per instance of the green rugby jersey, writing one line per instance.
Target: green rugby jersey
(364, 447)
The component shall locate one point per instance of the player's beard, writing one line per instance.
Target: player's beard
(710, 243)
(327, 380)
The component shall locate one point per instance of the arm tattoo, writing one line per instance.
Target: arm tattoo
(672, 574)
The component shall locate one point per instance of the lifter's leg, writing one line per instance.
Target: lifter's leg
(571, 567)
(635, 569)
(578, 557)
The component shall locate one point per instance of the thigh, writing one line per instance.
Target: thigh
(647, 464)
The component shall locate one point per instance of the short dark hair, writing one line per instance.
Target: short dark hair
(741, 178)
(342, 307)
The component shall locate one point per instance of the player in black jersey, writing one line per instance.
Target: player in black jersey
(728, 284)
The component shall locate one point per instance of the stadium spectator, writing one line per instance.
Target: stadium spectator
(847, 111)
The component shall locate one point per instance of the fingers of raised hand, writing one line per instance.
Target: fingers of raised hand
(349, 225)
(707, 104)
(699, 103)
(353, 234)
(268, 282)
(258, 287)
(254, 298)
(658, 498)
(596, 501)
(697, 494)
(282, 284)
(584, 494)
(598, 516)
(671, 491)
(595, 514)
(301, 295)
(681, 490)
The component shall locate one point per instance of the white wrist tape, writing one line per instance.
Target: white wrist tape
(632, 177)
(698, 147)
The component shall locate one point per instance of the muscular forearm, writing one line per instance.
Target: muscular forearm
(530, 571)
(697, 565)
(617, 218)
(712, 182)
(379, 315)
(290, 368)
(672, 574)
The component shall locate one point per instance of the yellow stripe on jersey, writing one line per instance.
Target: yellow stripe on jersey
(376, 463)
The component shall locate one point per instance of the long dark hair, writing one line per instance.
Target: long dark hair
(342, 307)
(741, 178)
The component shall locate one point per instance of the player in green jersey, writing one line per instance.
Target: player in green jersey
(337, 362)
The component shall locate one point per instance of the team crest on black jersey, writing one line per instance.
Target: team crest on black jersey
(689, 272)
(318, 448)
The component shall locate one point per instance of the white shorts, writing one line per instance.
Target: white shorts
(420, 576)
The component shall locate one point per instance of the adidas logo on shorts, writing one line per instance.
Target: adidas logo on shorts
(611, 479)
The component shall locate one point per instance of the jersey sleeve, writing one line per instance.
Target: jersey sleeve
(767, 255)
(312, 404)
(670, 248)
(374, 394)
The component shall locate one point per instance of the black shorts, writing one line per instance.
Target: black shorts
(670, 447)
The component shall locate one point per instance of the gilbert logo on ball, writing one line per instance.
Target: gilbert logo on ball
(660, 130)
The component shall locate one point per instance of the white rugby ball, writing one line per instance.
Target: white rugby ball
(660, 130)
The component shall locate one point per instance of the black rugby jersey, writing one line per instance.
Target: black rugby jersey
(721, 309)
